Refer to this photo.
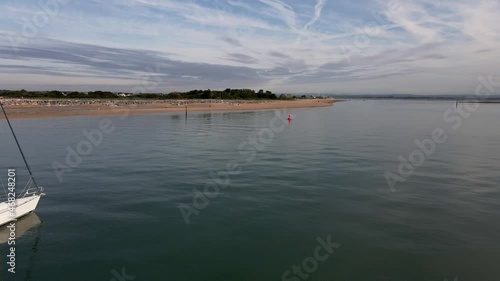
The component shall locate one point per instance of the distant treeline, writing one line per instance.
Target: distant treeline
(194, 94)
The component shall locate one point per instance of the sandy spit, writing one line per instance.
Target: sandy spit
(25, 108)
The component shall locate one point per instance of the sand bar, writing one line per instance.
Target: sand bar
(43, 108)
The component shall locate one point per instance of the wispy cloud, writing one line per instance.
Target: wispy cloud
(285, 11)
(317, 13)
(299, 46)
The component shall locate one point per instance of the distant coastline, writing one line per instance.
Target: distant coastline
(492, 101)
(233, 94)
(459, 98)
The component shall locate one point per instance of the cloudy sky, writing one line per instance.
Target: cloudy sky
(295, 46)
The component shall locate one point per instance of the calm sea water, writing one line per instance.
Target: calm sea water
(322, 176)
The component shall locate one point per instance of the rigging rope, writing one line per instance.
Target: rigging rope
(5, 189)
(18, 145)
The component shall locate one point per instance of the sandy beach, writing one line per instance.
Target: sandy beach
(26, 108)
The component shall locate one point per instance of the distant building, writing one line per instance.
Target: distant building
(286, 96)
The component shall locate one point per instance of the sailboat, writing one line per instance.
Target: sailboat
(17, 205)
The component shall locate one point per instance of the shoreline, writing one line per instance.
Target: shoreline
(47, 108)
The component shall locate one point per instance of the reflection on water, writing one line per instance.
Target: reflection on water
(30, 224)
(23, 226)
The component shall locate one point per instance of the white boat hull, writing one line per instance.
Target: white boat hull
(23, 207)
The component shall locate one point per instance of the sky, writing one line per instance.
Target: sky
(286, 46)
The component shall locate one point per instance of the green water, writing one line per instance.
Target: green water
(320, 177)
